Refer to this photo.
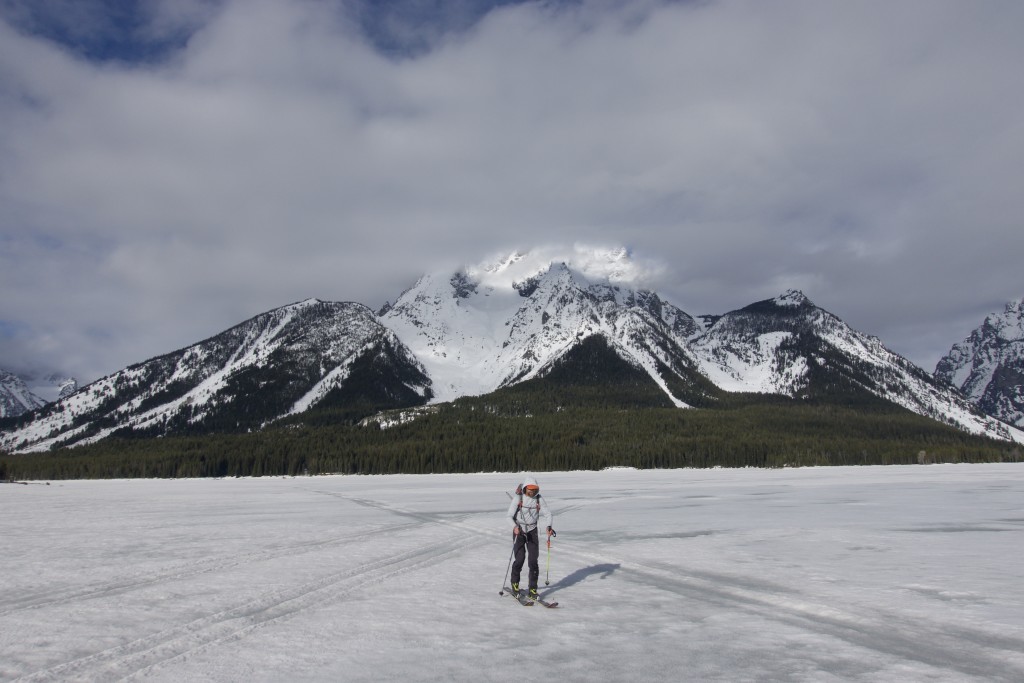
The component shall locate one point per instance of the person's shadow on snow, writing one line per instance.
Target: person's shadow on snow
(605, 570)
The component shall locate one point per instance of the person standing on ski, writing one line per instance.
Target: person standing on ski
(526, 512)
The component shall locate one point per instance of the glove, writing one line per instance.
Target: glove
(551, 532)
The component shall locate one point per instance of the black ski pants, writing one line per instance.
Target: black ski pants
(526, 541)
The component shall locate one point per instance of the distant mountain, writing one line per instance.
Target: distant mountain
(493, 327)
(988, 366)
(57, 387)
(789, 346)
(286, 361)
(20, 394)
(15, 396)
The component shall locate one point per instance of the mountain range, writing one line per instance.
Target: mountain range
(500, 324)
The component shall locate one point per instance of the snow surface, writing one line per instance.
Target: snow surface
(831, 574)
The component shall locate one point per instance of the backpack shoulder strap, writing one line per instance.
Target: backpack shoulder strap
(519, 492)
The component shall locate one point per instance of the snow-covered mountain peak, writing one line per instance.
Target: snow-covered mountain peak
(23, 393)
(15, 396)
(498, 264)
(1009, 325)
(988, 365)
(792, 298)
(54, 387)
(507, 320)
(789, 346)
(613, 265)
(278, 363)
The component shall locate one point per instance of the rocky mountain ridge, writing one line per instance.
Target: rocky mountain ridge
(273, 365)
(988, 366)
(15, 396)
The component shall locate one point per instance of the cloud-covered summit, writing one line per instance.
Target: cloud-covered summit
(612, 264)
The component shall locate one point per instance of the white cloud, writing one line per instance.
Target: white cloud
(869, 153)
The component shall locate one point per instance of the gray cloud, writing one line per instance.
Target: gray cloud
(868, 153)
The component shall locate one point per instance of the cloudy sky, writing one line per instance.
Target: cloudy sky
(169, 168)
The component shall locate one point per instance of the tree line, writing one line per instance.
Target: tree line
(478, 435)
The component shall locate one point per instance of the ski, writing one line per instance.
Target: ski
(521, 599)
(525, 601)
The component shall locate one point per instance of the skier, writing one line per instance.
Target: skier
(525, 512)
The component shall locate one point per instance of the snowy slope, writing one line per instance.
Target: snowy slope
(988, 366)
(741, 350)
(278, 363)
(494, 325)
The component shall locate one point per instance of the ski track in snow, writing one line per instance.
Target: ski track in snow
(147, 654)
(49, 598)
(879, 631)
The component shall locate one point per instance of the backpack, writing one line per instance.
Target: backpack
(519, 492)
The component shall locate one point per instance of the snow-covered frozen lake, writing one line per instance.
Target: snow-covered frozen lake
(834, 574)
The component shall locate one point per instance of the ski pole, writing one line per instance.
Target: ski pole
(547, 573)
(510, 555)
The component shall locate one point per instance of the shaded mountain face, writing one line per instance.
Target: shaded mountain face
(15, 396)
(279, 363)
(988, 366)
